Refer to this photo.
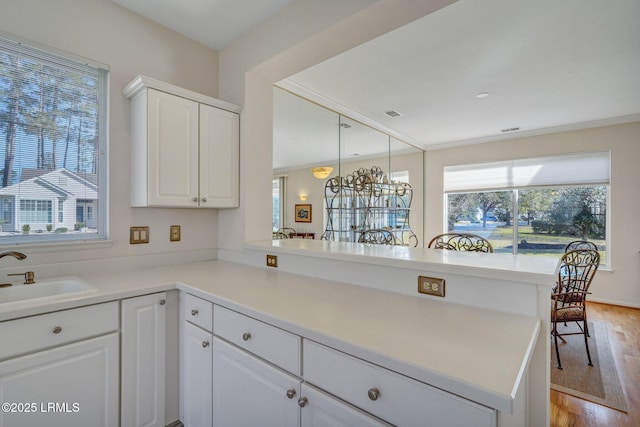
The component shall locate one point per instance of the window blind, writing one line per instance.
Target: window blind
(588, 168)
(52, 133)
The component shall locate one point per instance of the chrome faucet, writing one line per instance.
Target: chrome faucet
(16, 255)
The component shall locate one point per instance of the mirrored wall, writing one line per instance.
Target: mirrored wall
(308, 136)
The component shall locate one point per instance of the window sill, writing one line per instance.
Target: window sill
(57, 246)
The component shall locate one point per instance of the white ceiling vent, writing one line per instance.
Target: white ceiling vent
(392, 113)
(510, 129)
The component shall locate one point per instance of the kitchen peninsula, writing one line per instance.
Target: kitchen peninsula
(472, 362)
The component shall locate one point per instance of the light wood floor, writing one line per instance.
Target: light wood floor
(624, 336)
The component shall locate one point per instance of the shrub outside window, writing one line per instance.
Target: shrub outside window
(52, 145)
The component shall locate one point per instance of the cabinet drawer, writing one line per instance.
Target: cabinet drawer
(275, 345)
(393, 397)
(198, 312)
(53, 329)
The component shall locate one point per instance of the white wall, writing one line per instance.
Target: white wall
(130, 45)
(621, 285)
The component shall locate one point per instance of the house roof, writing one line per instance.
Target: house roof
(51, 180)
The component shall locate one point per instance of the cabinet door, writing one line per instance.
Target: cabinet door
(219, 157)
(248, 392)
(322, 410)
(143, 361)
(197, 382)
(71, 385)
(172, 126)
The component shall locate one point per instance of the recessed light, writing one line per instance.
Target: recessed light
(392, 113)
(482, 95)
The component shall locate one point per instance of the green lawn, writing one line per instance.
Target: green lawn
(501, 239)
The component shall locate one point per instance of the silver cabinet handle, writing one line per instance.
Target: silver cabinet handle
(195, 199)
(246, 336)
(373, 393)
(56, 330)
(194, 312)
(205, 344)
(291, 393)
(204, 199)
(163, 301)
(302, 402)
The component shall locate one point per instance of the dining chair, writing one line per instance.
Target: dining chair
(378, 236)
(580, 244)
(285, 231)
(461, 242)
(575, 272)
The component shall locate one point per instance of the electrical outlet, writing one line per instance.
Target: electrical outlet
(174, 233)
(431, 286)
(139, 235)
(272, 261)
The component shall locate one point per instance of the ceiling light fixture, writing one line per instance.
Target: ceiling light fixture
(321, 172)
(482, 95)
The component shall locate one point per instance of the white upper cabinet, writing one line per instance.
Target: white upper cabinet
(184, 147)
(219, 157)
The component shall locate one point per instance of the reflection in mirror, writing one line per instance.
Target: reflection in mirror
(361, 146)
(406, 164)
(306, 136)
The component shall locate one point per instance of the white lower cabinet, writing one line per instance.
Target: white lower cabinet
(323, 410)
(143, 361)
(248, 392)
(196, 376)
(63, 369)
(395, 398)
(265, 376)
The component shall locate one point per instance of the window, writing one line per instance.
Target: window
(35, 211)
(52, 145)
(279, 200)
(518, 209)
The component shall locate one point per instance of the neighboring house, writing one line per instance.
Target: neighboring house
(59, 198)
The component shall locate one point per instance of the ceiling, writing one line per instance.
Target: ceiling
(214, 23)
(546, 65)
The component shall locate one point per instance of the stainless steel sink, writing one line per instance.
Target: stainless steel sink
(48, 288)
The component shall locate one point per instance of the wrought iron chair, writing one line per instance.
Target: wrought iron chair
(378, 236)
(461, 242)
(575, 272)
(284, 233)
(580, 244)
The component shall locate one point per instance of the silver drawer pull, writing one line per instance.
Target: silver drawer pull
(56, 330)
(163, 301)
(291, 393)
(246, 336)
(204, 199)
(302, 402)
(194, 312)
(205, 344)
(195, 199)
(373, 393)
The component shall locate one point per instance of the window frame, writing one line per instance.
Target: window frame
(62, 59)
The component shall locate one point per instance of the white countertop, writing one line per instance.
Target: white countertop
(501, 265)
(475, 353)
